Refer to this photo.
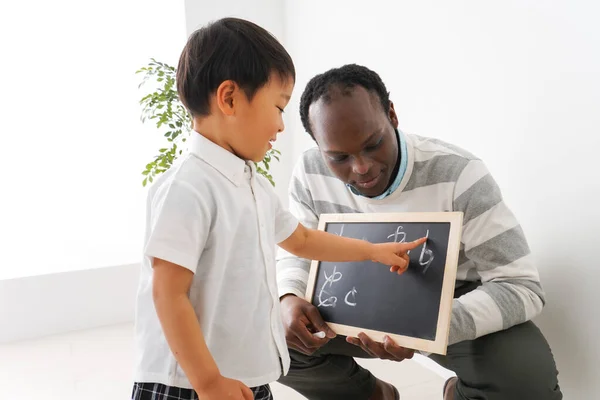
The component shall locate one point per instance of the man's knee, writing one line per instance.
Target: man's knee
(512, 364)
(328, 377)
(509, 388)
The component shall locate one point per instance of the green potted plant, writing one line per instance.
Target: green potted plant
(172, 119)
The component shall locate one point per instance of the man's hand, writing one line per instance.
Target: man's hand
(388, 350)
(225, 389)
(301, 319)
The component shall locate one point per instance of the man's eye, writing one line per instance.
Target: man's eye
(375, 146)
(338, 159)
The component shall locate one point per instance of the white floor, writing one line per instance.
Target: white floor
(96, 365)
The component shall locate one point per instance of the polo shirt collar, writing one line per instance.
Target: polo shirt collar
(227, 163)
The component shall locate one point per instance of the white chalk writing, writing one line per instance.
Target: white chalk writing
(396, 234)
(426, 252)
(425, 258)
(331, 300)
(353, 293)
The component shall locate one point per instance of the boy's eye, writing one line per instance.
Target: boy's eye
(281, 110)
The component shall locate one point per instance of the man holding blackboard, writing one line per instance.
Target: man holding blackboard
(364, 163)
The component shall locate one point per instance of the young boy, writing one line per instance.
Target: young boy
(208, 320)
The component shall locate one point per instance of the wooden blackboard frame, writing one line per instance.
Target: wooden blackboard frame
(440, 344)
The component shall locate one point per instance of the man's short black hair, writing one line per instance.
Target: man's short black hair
(345, 79)
(229, 49)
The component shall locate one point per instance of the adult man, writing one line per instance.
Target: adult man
(363, 163)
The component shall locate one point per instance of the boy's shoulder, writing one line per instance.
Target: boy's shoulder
(188, 172)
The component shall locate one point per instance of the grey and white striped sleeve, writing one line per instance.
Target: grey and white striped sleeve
(493, 250)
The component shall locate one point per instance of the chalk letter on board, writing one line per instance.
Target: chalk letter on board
(353, 293)
(426, 252)
(330, 301)
(398, 233)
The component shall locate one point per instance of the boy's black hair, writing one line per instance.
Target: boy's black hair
(229, 49)
(344, 78)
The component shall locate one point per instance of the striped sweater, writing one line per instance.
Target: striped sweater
(439, 177)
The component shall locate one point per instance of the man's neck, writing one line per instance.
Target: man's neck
(396, 167)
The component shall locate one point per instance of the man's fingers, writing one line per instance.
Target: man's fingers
(317, 321)
(398, 353)
(305, 338)
(308, 340)
(372, 346)
(301, 337)
(358, 343)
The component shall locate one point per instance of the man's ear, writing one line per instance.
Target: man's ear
(393, 116)
(226, 97)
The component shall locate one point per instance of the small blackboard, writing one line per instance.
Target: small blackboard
(414, 308)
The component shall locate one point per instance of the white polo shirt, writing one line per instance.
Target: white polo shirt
(214, 215)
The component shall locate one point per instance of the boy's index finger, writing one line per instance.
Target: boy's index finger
(412, 245)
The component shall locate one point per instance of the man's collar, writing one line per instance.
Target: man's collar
(403, 155)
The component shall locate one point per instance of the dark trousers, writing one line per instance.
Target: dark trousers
(514, 364)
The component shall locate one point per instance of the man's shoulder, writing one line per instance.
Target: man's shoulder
(438, 162)
(422, 144)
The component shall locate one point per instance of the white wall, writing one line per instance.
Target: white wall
(55, 303)
(515, 82)
(73, 146)
(268, 14)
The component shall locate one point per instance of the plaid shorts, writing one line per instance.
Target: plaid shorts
(157, 391)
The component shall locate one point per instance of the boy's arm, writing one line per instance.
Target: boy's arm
(313, 244)
(170, 287)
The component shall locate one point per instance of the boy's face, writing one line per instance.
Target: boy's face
(258, 121)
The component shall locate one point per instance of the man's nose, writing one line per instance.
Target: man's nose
(361, 166)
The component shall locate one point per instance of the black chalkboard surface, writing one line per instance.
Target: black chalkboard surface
(413, 308)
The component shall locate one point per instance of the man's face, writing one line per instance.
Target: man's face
(357, 139)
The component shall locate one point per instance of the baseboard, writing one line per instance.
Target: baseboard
(44, 305)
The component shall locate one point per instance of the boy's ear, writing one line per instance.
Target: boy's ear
(226, 97)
